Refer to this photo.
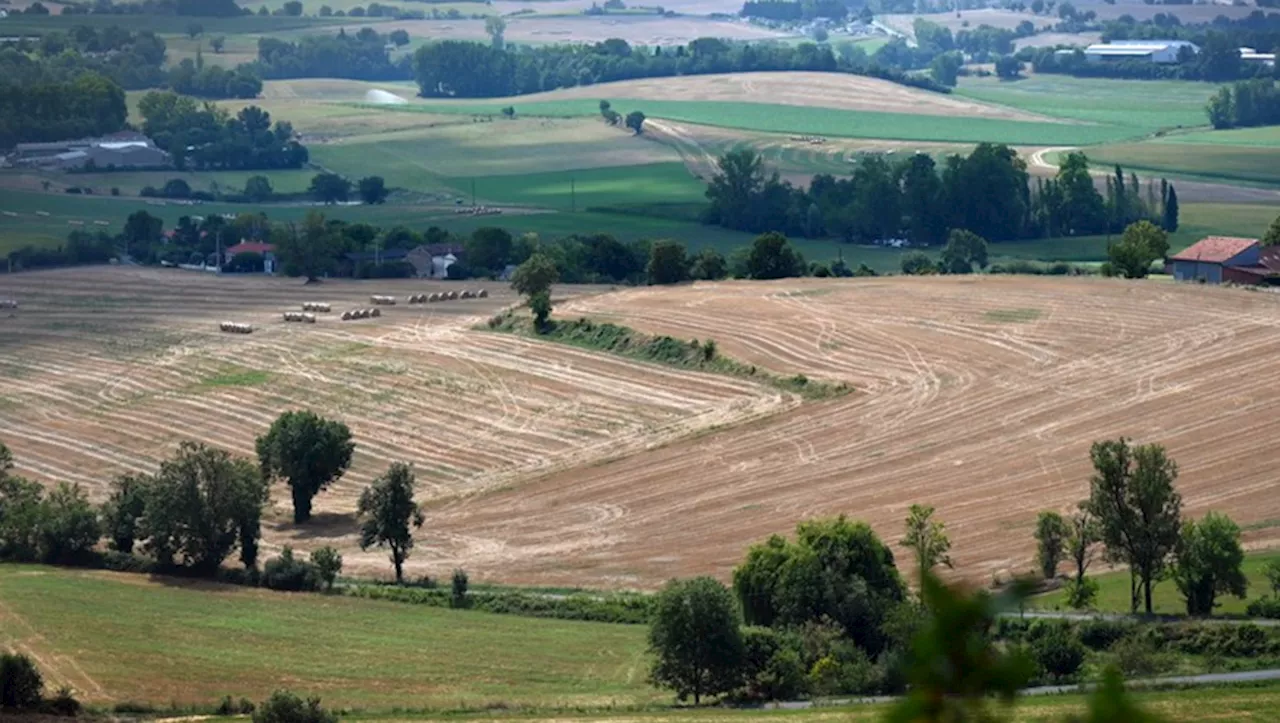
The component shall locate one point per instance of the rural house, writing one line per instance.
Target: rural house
(1216, 259)
(1163, 52)
(267, 251)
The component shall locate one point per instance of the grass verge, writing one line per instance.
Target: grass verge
(693, 354)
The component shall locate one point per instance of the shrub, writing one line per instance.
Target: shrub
(1102, 634)
(1082, 593)
(230, 707)
(1058, 651)
(20, 683)
(288, 573)
(458, 589)
(1136, 655)
(773, 669)
(328, 564)
(285, 707)
(64, 704)
(1264, 607)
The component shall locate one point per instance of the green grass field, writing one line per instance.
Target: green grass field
(774, 118)
(1263, 137)
(648, 184)
(1113, 591)
(1141, 105)
(173, 24)
(1212, 162)
(130, 183)
(120, 637)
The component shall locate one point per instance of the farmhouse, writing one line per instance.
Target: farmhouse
(1219, 259)
(267, 251)
(1163, 52)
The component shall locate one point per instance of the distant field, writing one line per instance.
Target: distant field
(130, 183)
(655, 183)
(236, 49)
(174, 24)
(1113, 590)
(1227, 161)
(1263, 137)
(1142, 105)
(117, 638)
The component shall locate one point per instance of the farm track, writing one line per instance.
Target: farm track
(990, 420)
(105, 370)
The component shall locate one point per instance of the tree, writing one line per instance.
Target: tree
(21, 686)
(123, 511)
(667, 263)
(1141, 244)
(1272, 236)
(201, 505)
(308, 251)
(285, 707)
(1058, 651)
(772, 257)
(217, 42)
(1138, 511)
(390, 515)
(458, 589)
(708, 265)
(635, 121)
(328, 563)
(1081, 541)
(258, 189)
(1081, 204)
(1008, 67)
(495, 27)
(292, 8)
(69, 525)
(488, 249)
(308, 452)
(917, 263)
(141, 233)
(1052, 533)
(535, 275)
(372, 190)
(946, 67)
(399, 36)
(194, 30)
(1207, 562)
(1169, 221)
(695, 639)
(20, 512)
(963, 251)
(927, 538)
(329, 188)
(540, 305)
(1272, 573)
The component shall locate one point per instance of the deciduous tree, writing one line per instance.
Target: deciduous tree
(1081, 544)
(1132, 496)
(372, 189)
(772, 257)
(635, 121)
(307, 251)
(123, 511)
(328, 564)
(329, 188)
(1208, 562)
(390, 515)
(667, 263)
(1052, 536)
(695, 639)
(69, 525)
(308, 452)
(1141, 244)
(258, 189)
(963, 251)
(535, 275)
(927, 538)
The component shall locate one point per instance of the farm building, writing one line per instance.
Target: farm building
(433, 260)
(1218, 259)
(1153, 51)
(267, 251)
(119, 150)
(1249, 55)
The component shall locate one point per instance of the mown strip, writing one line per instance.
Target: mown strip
(702, 356)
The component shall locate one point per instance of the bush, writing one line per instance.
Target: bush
(230, 707)
(1058, 651)
(1081, 594)
(20, 683)
(328, 564)
(63, 704)
(1265, 607)
(618, 608)
(285, 707)
(288, 573)
(1137, 657)
(1102, 634)
(773, 667)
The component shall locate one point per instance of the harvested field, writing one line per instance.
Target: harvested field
(635, 29)
(825, 90)
(103, 371)
(978, 395)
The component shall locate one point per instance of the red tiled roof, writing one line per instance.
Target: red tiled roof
(249, 247)
(1215, 249)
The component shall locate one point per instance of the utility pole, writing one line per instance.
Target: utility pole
(218, 260)
(573, 195)
(473, 193)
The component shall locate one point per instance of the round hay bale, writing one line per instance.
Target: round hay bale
(453, 295)
(433, 297)
(482, 294)
(309, 318)
(375, 313)
(346, 316)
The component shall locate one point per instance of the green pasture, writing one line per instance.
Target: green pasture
(130, 183)
(166, 640)
(172, 24)
(1140, 105)
(1261, 137)
(1213, 162)
(1113, 591)
(236, 49)
(582, 188)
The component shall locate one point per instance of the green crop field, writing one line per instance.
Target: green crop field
(1113, 591)
(1263, 137)
(654, 183)
(1142, 105)
(121, 637)
(173, 24)
(812, 121)
(131, 182)
(1213, 162)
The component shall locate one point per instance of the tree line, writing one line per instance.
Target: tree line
(476, 70)
(52, 110)
(206, 136)
(133, 59)
(1246, 103)
(362, 55)
(988, 192)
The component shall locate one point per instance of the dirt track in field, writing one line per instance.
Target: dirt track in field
(552, 465)
(978, 395)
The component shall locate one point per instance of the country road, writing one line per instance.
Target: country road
(1188, 190)
(1056, 615)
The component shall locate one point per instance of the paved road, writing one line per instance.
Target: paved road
(1056, 615)
(1248, 676)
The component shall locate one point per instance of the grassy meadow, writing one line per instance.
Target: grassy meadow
(124, 637)
(1113, 591)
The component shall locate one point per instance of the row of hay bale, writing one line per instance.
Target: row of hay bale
(235, 327)
(300, 316)
(447, 296)
(315, 306)
(361, 314)
(8, 303)
(382, 300)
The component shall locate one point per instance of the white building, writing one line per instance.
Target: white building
(1153, 51)
(1249, 55)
